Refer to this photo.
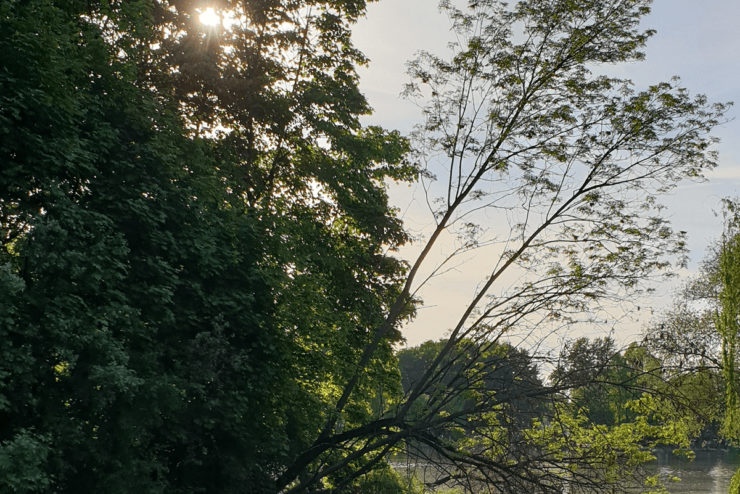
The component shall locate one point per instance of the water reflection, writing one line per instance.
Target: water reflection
(709, 473)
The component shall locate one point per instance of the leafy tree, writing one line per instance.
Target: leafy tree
(520, 126)
(503, 369)
(687, 350)
(697, 342)
(696, 335)
(613, 387)
(727, 312)
(735, 483)
(610, 381)
(198, 295)
(283, 83)
(136, 317)
(726, 323)
(168, 323)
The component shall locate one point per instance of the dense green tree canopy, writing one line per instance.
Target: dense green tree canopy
(601, 380)
(180, 301)
(697, 335)
(198, 286)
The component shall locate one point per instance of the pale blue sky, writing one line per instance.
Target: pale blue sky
(696, 40)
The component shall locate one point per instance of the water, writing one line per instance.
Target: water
(709, 473)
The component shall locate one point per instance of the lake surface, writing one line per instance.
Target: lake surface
(709, 473)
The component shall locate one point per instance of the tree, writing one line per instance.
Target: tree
(577, 161)
(283, 83)
(687, 350)
(610, 382)
(726, 320)
(505, 369)
(696, 336)
(198, 290)
(133, 304)
(168, 323)
(697, 342)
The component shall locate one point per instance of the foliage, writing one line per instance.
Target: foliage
(199, 292)
(728, 271)
(695, 340)
(596, 419)
(161, 329)
(735, 483)
(500, 368)
(279, 93)
(518, 128)
(387, 481)
(22, 462)
(137, 319)
(610, 382)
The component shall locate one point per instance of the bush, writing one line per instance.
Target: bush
(388, 481)
(735, 483)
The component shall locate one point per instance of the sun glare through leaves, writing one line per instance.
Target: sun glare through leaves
(210, 18)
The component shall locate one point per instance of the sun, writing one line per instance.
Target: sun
(210, 17)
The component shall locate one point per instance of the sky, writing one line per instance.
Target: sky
(699, 41)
